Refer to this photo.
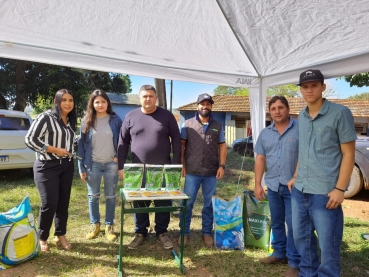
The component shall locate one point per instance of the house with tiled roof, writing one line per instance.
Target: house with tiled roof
(123, 103)
(234, 113)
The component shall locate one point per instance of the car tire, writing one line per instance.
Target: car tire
(355, 184)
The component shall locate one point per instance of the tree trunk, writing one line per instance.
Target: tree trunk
(20, 79)
(3, 104)
(160, 90)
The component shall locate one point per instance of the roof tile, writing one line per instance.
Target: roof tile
(241, 104)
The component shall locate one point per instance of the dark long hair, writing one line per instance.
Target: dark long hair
(72, 115)
(90, 115)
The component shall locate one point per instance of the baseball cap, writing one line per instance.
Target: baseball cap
(203, 97)
(311, 75)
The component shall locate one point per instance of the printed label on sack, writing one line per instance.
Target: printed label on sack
(258, 225)
(24, 245)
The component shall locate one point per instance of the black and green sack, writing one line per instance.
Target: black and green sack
(256, 220)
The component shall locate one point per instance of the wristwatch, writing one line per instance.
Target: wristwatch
(222, 165)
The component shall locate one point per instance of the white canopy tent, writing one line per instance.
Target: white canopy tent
(244, 43)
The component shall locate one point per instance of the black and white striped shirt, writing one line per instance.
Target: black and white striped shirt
(47, 130)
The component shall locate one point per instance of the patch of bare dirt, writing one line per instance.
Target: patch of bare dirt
(27, 269)
(357, 206)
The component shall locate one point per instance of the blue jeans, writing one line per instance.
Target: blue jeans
(94, 177)
(281, 214)
(308, 214)
(191, 188)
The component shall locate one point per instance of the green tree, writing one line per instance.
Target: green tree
(360, 96)
(223, 90)
(289, 90)
(33, 83)
(359, 80)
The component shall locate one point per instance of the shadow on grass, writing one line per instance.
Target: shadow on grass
(148, 259)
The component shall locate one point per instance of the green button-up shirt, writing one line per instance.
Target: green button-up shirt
(320, 154)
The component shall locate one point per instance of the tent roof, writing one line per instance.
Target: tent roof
(227, 42)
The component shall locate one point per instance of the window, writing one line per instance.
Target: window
(14, 123)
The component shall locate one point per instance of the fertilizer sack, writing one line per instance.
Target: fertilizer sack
(133, 174)
(228, 223)
(172, 174)
(18, 235)
(257, 223)
(154, 177)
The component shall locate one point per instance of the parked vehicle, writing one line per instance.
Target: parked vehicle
(360, 174)
(244, 146)
(13, 151)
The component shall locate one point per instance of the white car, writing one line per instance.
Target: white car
(13, 151)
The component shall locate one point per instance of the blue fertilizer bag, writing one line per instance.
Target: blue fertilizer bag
(228, 223)
(18, 235)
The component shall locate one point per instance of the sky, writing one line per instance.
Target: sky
(187, 92)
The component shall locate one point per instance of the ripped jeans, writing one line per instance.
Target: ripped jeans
(94, 178)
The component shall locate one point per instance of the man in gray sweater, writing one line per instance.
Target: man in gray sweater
(152, 132)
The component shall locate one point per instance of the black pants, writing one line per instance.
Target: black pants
(142, 220)
(54, 183)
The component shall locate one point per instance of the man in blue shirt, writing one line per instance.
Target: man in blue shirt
(326, 159)
(277, 148)
(204, 155)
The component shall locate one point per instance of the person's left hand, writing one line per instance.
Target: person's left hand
(83, 176)
(336, 198)
(220, 173)
(121, 174)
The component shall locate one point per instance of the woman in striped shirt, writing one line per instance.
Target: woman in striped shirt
(51, 135)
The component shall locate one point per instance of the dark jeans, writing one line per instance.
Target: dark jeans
(281, 215)
(309, 214)
(142, 221)
(54, 183)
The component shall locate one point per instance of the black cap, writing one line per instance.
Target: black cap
(311, 75)
(203, 97)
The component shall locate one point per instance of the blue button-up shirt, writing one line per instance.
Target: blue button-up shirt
(280, 152)
(320, 153)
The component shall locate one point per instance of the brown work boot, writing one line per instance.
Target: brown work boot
(272, 260)
(109, 233)
(185, 240)
(208, 241)
(292, 272)
(95, 230)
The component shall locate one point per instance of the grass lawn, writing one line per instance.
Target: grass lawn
(98, 257)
